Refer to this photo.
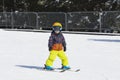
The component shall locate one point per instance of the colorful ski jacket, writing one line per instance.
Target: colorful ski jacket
(56, 41)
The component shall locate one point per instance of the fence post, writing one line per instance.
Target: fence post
(66, 27)
(12, 21)
(100, 14)
(36, 20)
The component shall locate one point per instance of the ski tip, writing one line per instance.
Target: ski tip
(77, 70)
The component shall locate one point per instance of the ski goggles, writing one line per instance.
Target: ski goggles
(57, 28)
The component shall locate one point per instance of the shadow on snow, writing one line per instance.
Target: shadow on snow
(105, 40)
(30, 67)
(37, 68)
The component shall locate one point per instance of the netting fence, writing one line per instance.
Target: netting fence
(72, 21)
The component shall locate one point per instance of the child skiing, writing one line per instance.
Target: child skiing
(57, 47)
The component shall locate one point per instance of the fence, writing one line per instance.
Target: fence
(72, 21)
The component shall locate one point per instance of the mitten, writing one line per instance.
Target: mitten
(50, 48)
(64, 48)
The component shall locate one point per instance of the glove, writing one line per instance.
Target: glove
(64, 48)
(50, 48)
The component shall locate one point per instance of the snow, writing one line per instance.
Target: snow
(23, 53)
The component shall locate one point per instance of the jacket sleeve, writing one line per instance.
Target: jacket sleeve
(64, 42)
(50, 42)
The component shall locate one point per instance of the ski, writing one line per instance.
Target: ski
(76, 70)
(61, 70)
(54, 70)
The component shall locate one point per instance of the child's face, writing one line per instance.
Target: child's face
(57, 32)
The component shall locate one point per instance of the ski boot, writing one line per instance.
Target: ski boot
(48, 68)
(65, 67)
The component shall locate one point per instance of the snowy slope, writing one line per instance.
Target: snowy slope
(23, 53)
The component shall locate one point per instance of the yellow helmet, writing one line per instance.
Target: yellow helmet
(57, 24)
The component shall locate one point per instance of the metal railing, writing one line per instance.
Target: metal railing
(72, 21)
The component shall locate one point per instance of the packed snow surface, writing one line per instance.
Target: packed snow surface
(22, 54)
